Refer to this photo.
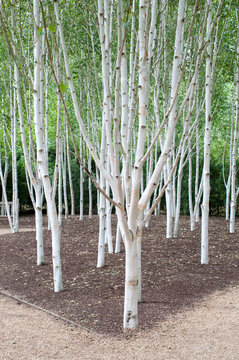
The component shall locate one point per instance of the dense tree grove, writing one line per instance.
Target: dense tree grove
(128, 107)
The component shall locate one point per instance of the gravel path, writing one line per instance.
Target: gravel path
(5, 231)
(210, 331)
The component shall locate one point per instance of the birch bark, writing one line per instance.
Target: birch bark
(206, 166)
(81, 183)
(131, 217)
(234, 150)
(34, 179)
(228, 184)
(14, 161)
(4, 192)
(6, 160)
(64, 176)
(70, 174)
(41, 156)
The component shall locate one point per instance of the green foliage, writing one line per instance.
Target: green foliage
(63, 87)
(41, 31)
(52, 28)
(81, 32)
(23, 194)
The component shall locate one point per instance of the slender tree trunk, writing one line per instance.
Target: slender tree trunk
(173, 114)
(14, 162)
(131, 284)
(4, 192)
(118, 239)
(90, 187)
(102, 227)
(177, 214)
(6, 163)
(102, 208)
(206, 167)
(39, 227)
(70, 174)
(34, 179)
(41, 157)
(190, 198)
(228, 184)
(64, 178)
(234, 151)
(197, 175)
(81, 183)
(169, 201)
(60, 206)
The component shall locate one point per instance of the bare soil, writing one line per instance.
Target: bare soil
(207, 332)
(173, 279)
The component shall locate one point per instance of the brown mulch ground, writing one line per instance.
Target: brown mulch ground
(173, 279)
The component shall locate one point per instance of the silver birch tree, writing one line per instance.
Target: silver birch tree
(233, 168)
(129, 203)
(41, 156)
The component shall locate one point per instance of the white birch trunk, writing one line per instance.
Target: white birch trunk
(60, 207)
(58, 165)
(139, 265)
(178, 49)
(228, 192)
(108, 232)
(102, 229)
(14, 162)
(109, 240)
(4, 192)
(81, 183)
(133, 250)
(131, 285)
(102, 207)
(39, 225)
(190, 199)
(197, 176)
(234, 152)
(169, 201)
(64, 178)
(90, 188)
(34, 179)
(70, 174)
(177, 213)
(6, 159)
(206, 166)
(118, 239)
(41, 157)
(228, 184)
(149, 174)
(13, 106)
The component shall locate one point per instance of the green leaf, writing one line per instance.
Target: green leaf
(41, 31)
(52, 28)
(63, 87)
